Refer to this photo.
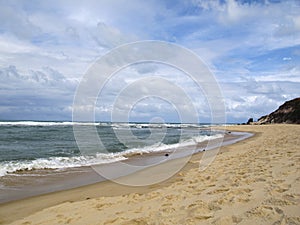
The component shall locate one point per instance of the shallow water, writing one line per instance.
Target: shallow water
(51, 145)
(41, 158)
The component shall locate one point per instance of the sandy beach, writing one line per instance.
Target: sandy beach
(255, 181)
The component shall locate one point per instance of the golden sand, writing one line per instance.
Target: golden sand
(255, 181)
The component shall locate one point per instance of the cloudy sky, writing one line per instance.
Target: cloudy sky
(46, 47)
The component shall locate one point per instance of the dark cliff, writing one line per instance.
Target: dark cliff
(289, 112)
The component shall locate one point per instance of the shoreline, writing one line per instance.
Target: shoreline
(34, 183)
(235, 172)
(78, 193)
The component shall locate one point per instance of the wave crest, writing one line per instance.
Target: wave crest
(7, 167)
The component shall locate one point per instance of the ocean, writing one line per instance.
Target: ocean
(32, 145)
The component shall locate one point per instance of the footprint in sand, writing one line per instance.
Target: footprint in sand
(218, 191)
(227, 220)
(292, 198)
(26, 223)
(100, 206)
(137, 221)
(111, 221)
(281, 190)
(167, 209)
(266, 211)
(200, 210)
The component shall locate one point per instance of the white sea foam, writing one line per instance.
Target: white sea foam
(164, 147)
(37, 123)
(57, 163)
(155, 125)
(117, 125)
(100, 158)
(114, 125)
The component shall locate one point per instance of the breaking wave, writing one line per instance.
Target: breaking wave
(7, 167)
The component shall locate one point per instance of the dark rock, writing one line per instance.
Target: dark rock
(289, 112)
(250, 121)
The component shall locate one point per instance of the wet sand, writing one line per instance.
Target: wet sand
(24, 184)
(255, 181)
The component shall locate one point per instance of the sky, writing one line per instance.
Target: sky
(252, 48)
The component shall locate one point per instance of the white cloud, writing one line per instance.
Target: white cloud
(14, 20)
(33, 93)
(251, 98)
(251, 47)
(109, 37)
(12, 45)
